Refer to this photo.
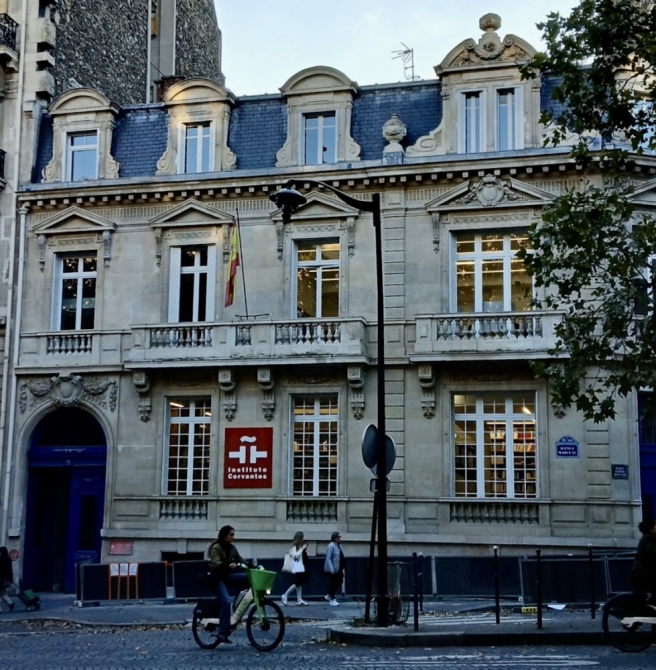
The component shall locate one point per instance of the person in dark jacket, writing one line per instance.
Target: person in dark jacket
(6, 577)
(643, 575)
(224, 565)
(334, 567)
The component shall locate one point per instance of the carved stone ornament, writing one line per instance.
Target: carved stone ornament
(141, 383)
(394, 131)
(280, 236)
(355, 375)
(350, 235)
(559, 411)
(436, 232)
(158, 246)
(489, 191)
(228, 384)
(490, 47)
(67, 390)
(265, 380)
(42, 240)
(107, 247)
(427, 384)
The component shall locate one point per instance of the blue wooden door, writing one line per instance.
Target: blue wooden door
(85, 519)
(647, 460)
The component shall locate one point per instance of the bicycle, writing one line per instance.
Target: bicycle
(265, 622)
(629, 624)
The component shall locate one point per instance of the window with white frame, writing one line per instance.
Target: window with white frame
(315, 446)
(82, 156)
(187, 468)
(471, 122)
(320, 138)
(487, 275)
(509, 119)
(74, 292)
(197, 148)
(494, 445)
(316, 288)
(192, 288)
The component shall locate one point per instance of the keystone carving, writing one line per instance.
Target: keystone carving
(228, 384)
(427, 384)
(355, 375)
(265, 380)
(68, 390)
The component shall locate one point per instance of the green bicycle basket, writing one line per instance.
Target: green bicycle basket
(262, 580)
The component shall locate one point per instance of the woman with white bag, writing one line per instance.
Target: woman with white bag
(296, 562)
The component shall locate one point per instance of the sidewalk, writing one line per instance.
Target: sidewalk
(451, 623)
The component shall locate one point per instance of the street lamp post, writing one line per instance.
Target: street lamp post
(288, 200)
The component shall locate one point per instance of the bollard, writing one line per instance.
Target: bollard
(593, 605)
(415, 588)
(497, 603)
(538, 584)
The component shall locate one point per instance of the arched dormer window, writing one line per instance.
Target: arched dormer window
(83, 127)
(199, 119)
(319, 108)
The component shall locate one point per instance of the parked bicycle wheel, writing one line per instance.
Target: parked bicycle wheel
(265, 631)
(622, 634)
(204, 634)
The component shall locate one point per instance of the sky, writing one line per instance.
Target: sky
(265, 42)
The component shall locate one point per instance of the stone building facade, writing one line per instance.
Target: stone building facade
(191, 412)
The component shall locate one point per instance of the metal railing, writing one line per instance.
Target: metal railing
(8, 31)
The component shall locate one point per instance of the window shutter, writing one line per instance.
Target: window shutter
(453, 288)
(174, 285)
(519, 117)
(294, 281)
(210, 296)
(55, 317)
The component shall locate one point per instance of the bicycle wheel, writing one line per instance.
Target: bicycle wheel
(205, 635)
(265, 632)
(627, 636)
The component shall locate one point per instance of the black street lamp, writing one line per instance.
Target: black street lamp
(289, 200)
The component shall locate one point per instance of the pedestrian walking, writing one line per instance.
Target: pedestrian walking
(6, 577)
(643, 574)
(298, 564)
(334, 567)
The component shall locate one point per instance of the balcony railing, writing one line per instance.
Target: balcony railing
(503, 332)
(492, 511)
(8, 31)
(257, 340)
(70, 343)
(311, 510)
(183, 509)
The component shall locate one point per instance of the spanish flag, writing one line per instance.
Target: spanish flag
(233, 264)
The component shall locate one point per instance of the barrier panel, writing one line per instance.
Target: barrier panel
(474, 576)
(121, 581)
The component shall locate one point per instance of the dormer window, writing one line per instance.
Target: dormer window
(197, 148)
(320, 145)
(82, 156)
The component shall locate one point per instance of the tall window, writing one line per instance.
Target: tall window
(82, 156)
(74, 292)
(494, 445)
(506, 121)
(197, 148)
(320, 139)
(488, 275)
(188, 449)
(314, 456)
(192, 285)
(317, 280)
(473, 123)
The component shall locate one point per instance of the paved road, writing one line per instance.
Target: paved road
(47, 645)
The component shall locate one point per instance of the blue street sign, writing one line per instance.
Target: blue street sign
(567, 447)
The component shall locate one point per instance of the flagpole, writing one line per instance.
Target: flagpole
(241, 260)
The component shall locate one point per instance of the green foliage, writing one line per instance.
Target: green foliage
(591, 253)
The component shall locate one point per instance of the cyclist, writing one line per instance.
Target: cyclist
(643, 574)
(224, 565)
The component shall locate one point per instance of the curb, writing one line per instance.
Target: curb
(463, 638)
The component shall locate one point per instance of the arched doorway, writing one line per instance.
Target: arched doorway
(65, 498)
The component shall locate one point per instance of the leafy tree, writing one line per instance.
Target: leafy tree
(590, 255)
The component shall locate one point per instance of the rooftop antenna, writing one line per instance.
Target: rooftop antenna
(407, 55)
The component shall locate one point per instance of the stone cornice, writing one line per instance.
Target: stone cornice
(363, 178)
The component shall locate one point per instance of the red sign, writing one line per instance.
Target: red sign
(248, 458)
(121, 547)
(13, 554)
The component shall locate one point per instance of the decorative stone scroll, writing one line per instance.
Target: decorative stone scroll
(355, 375)
(228, 384)
(141, 383)
(427, 384)
(68, 390)
(265, 380)
(436, 231)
